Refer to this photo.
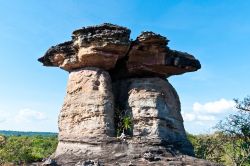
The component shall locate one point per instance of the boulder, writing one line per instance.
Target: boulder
(150, 56)
(94, 46)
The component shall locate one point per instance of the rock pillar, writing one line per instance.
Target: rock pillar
(87, 112)
(155, 109)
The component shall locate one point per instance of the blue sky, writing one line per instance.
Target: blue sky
(216, 32)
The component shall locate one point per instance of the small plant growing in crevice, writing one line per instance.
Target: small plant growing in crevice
(123, 122)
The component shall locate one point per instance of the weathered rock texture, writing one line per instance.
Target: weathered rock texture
(124, 154)
(110, 75)
(150, 55)
(103, 45)
(95, 46)
(88, 109)
(155, 108)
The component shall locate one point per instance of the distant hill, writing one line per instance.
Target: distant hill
(26, 133)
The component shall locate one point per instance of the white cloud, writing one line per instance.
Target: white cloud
(189, 117)
(27, 115)
(28, 119)
(195, 116)
(2, 119)
(214, 107)
(3, 116)
(204, 114)
(206, 118)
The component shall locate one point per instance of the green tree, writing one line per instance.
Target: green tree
(16, 150)
(236, 134)
(208, 146)
(25, 149)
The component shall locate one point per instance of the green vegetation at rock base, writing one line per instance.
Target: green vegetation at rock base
(26, 149)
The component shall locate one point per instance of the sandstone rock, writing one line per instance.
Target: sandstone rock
(155, 109)
(110, 74)
(150, 55)
(132, 152)
(49, 162)
(87, 112)
(89, 163)
(95, 46)
(108, 46)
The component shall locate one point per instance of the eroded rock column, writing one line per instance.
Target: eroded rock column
(87, 112)
(155, 108)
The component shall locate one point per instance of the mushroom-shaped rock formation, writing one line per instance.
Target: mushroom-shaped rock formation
(119, 106)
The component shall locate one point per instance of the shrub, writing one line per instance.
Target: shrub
(24, 149)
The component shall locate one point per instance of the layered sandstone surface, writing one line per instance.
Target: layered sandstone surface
(155, 110)
(94, 46)
(112, 77)
(150, 55)
(109, 47)
(88, 109)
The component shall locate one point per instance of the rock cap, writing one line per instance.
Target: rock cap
(108, 46)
